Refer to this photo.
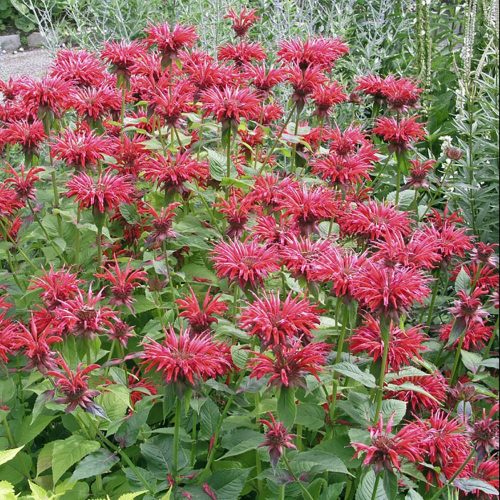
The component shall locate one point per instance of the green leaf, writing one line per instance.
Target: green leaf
(311, 416)
(37, 492)
(462, 281)
(158, 452)
(130, 213)
(287, 409)
(96, 463)
(115, 400)
(209, 417)
(131, 496)
(352, 371)
(469, 485)
(7, 455)
(28, 430)
(7, 491)
(251, 443)
(471, 360)
(393, 408)
(456, 331)
(367, 488)
(413, 495)
(240, 356)
(228, 483)
(67, 452)
(317, 461)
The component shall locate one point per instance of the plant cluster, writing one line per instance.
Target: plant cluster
(210, 293)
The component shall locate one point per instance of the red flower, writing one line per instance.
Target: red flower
(267, 188)
(29, 135)
(278, 322)
(476, 336)
(162, 225)
(24, 182)
(289, 365)
(75, 388)
(277, 439)
(122, 55)
(50, 94)
(264, 79)
(403, 346)
(418, 174)
(186, 358)
(468, 307)
(35, 343)
(245, 262)
(172, 171)
(375, 220)
(371, 85)
(445, 445)
(308, 206)
(170, 40)
(201, 315)
(400, 134)
(322, 52)
(386, 450)
(130, 154)
(8, 331)
(137, 385)
(301, 255)
(10, 201)
(121, 332)
(483, 275)
(57, 286)
(389, 290)
(172, 102)
(123, 283)
(79, 67)
(80, 148)
(484, 433)
(487, 471)
(229, 104)
(84, 316)
(94, 102)
(452, 240)
(106, 193)
(304, 82)
(266, 230)
(241, 53)
(400, 93)
(269, 113)
(484, 253)
(236, 209)
(327, 95)
(431, 397)
(242, 21)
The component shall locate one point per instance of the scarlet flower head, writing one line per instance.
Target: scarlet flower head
(121, 332)
(170, 103)
(93, 103)
(452, 241)
(24, 182)
(468, 306)
(304, 82)
(241, 53)
(75, 388)
(170, 41)
(201, 315)
(48, 95)
(277, 439)
(399, 134)
(35, 343)
(326, 96)
(123, 283)
(229, 104)
(375, 220)
(487, 471)
(386, 450)
(8, 331)
(484, 253)
(122, 55)
(79, 67)
(80, 148)
(137, 384)
(57, 286)
(280, 322)
(84, 315)
(185, 358)
(389, 291)
(242, 20)
(264, 78)
(418, 173)
(162, 225)
(403, 345)
(289, 365)
(484, 432)
(103, 194)
(11, 202)
(28, 134)
(247, 262)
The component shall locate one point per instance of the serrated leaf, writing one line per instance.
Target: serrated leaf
(462, 281)
(393, 408)
(7, 491)
(413, 495)
(469, 485)
(131, 496)
(318, 461)
(352, 371)
(7, 455)
(366, 488)
(228, 483)
(456, 331)
(240, 356)
(287, 409)
(67, 452)
(471, 360)
(96, 463)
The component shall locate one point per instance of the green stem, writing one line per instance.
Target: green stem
(375, 486)
(296, 479)
(492, 340)
(400, 164)
(228, 154)
(177, 428)
(8, 433)
(456, 361)
(295, 133)
(20, 250)
(99, 245)
(194, 437)
(385, 334)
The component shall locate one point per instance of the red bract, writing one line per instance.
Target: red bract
(24, 182)
(304, 82)
(326, 96)
(484, 432)
(264, 78)
(242, 20)
(123, 283)
(29, 135)
(236, 209)
(84, 315)
(35, 343)
(248, 263)
(92, 103)
(172, 171)
(122, 55)
(418, 173)
(288, 366)
(280, 322)
(452, 240)
(50, 94)
(121, 332)
(185, 358)
(201, 315)
(75, 388)
(229, 104)
(389, 290)
(399, 134)
(8, 331)
(277, 439)
(386, 450)
(374, 220)
(404, 344)
(130, 154)
(79, 67)
(170, 41)
(308, 206)
(426, 391)
(57, 286)
(80, 148)
(241, 53)
(102, 194)
(137, 384)
(172, 102)
(483, 253)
